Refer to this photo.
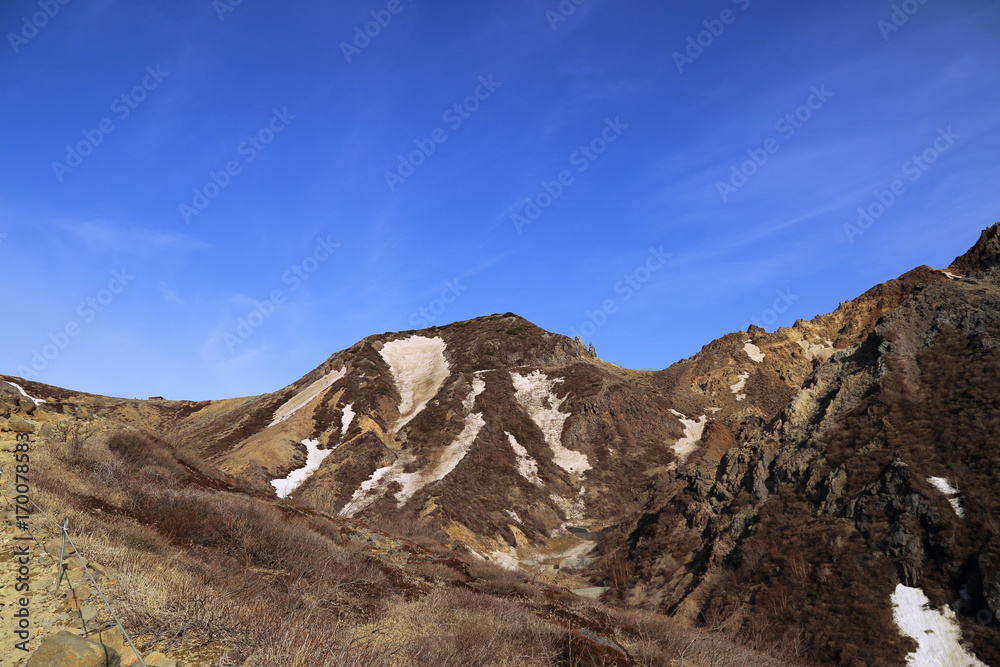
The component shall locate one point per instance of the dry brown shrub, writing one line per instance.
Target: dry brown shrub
(139, 449)
(453, 627)
(439, 571)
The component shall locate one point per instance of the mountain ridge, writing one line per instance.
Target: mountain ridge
(676, 489)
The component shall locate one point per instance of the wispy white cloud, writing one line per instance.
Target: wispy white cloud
(99, 236)
(169, 294)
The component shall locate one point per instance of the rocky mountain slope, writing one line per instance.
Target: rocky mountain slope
(203, 570)
(810, 486)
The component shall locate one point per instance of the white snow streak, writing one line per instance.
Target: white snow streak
(364, 497)
(478, 387)
(535, 394)
(302, 398)
(314, 457)
(346, 418)
(36, 401)
(738, 387)
(526, 465)
(419, 368)
(942, 485)
(753, 352)
(412, 482)
(450, 457)
(452, 454)
(693, 431)
(938, 635)
(573, 509)
(506, 561)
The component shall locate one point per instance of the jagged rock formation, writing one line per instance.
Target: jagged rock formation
(786, 482)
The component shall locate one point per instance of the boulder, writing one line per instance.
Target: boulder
(20, 425)
(67, 650)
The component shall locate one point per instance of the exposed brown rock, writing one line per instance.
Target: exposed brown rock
(983, 256)
(68, 650)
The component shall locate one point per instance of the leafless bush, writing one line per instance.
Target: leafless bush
(139, 449)
(440, 572)
(500, 581)
(454, 627)
(74, 435)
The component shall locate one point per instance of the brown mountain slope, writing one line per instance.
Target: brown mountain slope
(789, 485)
(212, 573)
(807, 528)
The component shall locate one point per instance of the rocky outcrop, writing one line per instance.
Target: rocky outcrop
(838, 487)
(68, 650)
(983, 256)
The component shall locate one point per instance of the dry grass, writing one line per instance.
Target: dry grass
(201, 562)
(458, 627)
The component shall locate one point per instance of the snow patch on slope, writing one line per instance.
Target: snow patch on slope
(346, 418)
(526, 465)
(693, 430)
(301, 399)
(419, 369)
(753, 351)
(314, 457)
(36, 401)
(574, 509)
(937, 633)
(412, 482)
(365, 496)
(534, 392)
(504, 560)
(478, 387)
(738, 387)
(942, 485)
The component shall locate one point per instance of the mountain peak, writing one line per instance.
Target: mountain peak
(982, 256)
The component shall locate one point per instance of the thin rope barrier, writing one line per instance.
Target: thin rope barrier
(64, 529)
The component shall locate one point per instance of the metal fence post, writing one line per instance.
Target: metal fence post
(62, 551)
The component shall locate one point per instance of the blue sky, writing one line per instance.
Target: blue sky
(206, 199)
